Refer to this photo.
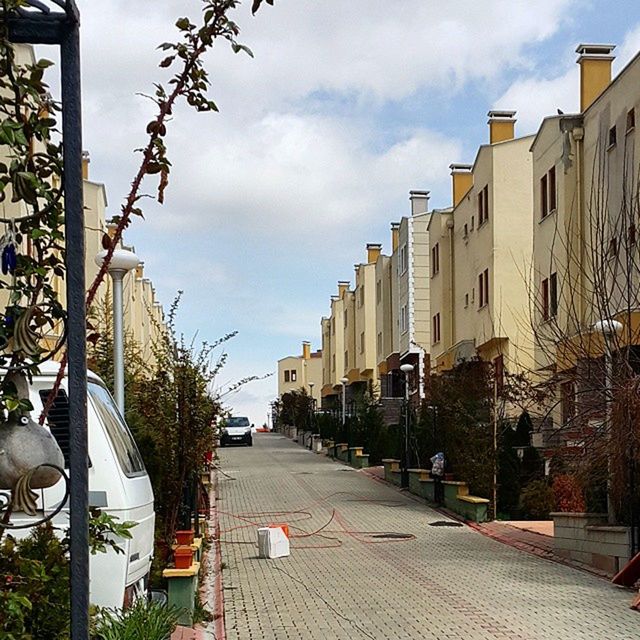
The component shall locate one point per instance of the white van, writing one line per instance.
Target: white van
(118, 484)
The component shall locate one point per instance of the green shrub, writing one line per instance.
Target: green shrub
(148, 620)
(537, 500)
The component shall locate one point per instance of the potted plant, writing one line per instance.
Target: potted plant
(183, 557)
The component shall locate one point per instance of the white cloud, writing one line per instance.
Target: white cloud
(535, 97)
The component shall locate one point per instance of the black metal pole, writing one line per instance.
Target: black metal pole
(76, 340)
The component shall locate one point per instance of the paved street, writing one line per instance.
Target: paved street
(345, 583)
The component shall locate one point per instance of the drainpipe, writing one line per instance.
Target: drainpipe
(452, 323)
(578, 136)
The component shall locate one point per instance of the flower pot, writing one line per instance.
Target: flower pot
(185, 537)
(183, 557)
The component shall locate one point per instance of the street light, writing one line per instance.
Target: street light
(608, 328)
(344, 382)
(122, 261)
(404, 476)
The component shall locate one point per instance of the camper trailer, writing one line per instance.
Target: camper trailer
(118, 484)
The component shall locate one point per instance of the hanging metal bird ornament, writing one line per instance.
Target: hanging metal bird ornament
(9, 254)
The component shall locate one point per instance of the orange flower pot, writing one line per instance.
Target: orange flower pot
(185, 536)
(183, 557)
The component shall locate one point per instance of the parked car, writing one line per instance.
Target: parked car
(236, 430)
(118, 484)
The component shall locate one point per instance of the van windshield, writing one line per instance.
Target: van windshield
(238, 422)
(122, 441)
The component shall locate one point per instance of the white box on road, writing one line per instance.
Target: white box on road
(272, 542)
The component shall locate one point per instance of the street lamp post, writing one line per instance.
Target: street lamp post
(404, 476)
(608, 328)
(344, 381)
(311, 416)
(121, 263)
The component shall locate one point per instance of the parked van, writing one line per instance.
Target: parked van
(118, 484)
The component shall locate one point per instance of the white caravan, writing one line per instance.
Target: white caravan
(118, 484)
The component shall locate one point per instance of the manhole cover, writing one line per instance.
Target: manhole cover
(392, 536)
(445, 523)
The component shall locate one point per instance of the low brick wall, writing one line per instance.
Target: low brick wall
(587, 538)
(392, 470)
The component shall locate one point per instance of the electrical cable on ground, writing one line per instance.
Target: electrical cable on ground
(326, 602)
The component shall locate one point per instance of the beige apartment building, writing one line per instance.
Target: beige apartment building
(337, 340)
(301, 372)
(143, 316)
(480, 256)
(586, 266)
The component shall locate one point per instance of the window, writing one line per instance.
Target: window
(435, 328)
(483, 205)
(548, 197)
(466, 231)
(466, 300)
(632, 234)
(553, 295)
(346, 359)
(473, 222)
(613, 247)
(631, 120)
(333, 326)
(294, 375)
(483, 287)
(613, 136)
(123, 444)
(333, 362)
(404, 259)
(287, 376)
(567, 401)
(378, 291)
(361, 295)
(362, 342)
(404, 320)
(435, 259)
(473, 295)
(544, 197)
(545, 299)
(379, 343)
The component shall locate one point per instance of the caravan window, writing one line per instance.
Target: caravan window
(122, 442)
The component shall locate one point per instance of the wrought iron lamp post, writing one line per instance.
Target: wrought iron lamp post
(121, 263)
(311, 415)
(57, 22)
(343, 382)
(404, 476)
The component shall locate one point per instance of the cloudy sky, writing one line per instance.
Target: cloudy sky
(347, 106)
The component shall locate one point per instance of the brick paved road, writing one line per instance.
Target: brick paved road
(446, 583)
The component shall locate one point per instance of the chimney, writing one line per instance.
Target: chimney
(462, 181)
(395, 235)
(419, 202)
(343, 287)
(595, 71)
(373, 252)
(501, 126)
(140, 270)
(306, 350)
(86, 159)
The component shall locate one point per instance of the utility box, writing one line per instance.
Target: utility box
(272, 542)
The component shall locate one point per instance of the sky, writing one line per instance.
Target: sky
(347, 106)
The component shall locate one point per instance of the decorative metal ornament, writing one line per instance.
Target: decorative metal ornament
(29, 454)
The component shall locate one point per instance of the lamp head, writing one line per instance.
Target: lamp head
(122, 260)
(344, 380)
(608, 327)
(406, 368)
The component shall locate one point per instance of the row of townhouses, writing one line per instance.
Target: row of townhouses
(537, 245)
